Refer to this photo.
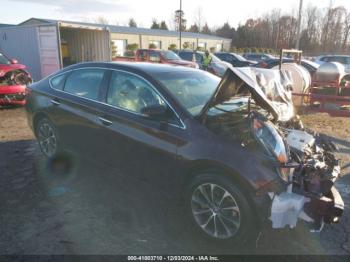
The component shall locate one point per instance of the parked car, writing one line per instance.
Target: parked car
(216, 141)
(342, 59)
(216, 67)
(310, 66)
(157, 56)
(235, 60)
(13, 81)
(258, 57)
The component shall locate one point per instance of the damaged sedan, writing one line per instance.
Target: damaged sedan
(13, 81)
(232, 148)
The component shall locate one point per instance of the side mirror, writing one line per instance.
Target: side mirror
(156, 112)
(13, 61)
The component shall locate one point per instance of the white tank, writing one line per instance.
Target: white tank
(301, 80)
(330, 72)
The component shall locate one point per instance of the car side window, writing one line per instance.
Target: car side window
(154, 56)
(85, 83)
(231, 58)
(130, 92)
(143, 55)
(57, 82)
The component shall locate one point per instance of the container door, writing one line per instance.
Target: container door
(48, 50)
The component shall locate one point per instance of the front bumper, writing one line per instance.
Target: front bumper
(12, 95)
(316, 208)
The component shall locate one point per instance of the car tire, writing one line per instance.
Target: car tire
(48, 139)
(240, 226)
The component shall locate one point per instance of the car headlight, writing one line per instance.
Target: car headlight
(267, 134)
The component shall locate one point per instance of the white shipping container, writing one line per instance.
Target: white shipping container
(38, 46)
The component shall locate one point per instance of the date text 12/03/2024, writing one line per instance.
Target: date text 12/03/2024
(173, 258)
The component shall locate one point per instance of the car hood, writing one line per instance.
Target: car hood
(7, 68)
(270, 89)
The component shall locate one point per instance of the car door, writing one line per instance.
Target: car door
(137, 145)
(76, 108)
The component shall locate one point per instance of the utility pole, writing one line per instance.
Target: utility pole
(180, 23)
(299, 24)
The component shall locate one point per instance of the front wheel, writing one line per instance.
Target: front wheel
(219, 210)
(47, 138)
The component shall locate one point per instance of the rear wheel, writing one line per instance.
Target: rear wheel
(219, 210)
(47, 137)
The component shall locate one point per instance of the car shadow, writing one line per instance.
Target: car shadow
(76, 205)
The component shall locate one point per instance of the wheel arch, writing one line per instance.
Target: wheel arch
(37, 117)
(204, 166)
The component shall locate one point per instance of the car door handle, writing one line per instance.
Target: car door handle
(105, 121)
(55, 102)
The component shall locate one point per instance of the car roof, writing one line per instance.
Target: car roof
(321, 56)
(148, 68)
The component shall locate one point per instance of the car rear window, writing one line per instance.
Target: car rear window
(4, 60)
(186, 56)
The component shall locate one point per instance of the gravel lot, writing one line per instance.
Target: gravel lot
(97, 210)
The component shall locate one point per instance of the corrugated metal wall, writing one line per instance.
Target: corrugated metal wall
(22, 43)
(86, 45)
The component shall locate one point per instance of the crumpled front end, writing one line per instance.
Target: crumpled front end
(13, 87)
(311, 195)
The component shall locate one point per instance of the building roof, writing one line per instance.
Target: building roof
(127, 30)
(6, 25)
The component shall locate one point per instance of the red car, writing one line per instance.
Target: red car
(157, 56)
(13, 81)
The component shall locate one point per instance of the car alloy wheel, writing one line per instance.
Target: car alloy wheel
(215, 211)
(47, 138)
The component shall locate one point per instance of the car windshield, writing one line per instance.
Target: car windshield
(313, 64)
(240, 58)
(191, 89)
(4, 60)
(215, 58)
(169, 55)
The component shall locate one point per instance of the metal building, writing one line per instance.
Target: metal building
(46, 45)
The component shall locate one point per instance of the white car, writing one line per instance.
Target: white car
(342, 59)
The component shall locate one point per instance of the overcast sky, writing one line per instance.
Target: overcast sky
(215, 12)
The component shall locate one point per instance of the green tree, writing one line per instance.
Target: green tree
(163, 26)
(172, 47)
(113, 49)
(233, 49)
(186, 45)
(132, 22)
(152, 46)
(206, 29)
(194, 28)
(155, 24)
(246, 50)
(131, 48)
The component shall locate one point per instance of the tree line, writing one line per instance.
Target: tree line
(324, 30)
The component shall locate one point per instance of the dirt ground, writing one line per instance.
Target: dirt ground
(97, 210)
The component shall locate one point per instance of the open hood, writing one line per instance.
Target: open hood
(270, 89)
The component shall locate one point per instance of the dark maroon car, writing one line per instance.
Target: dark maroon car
(221, 144)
